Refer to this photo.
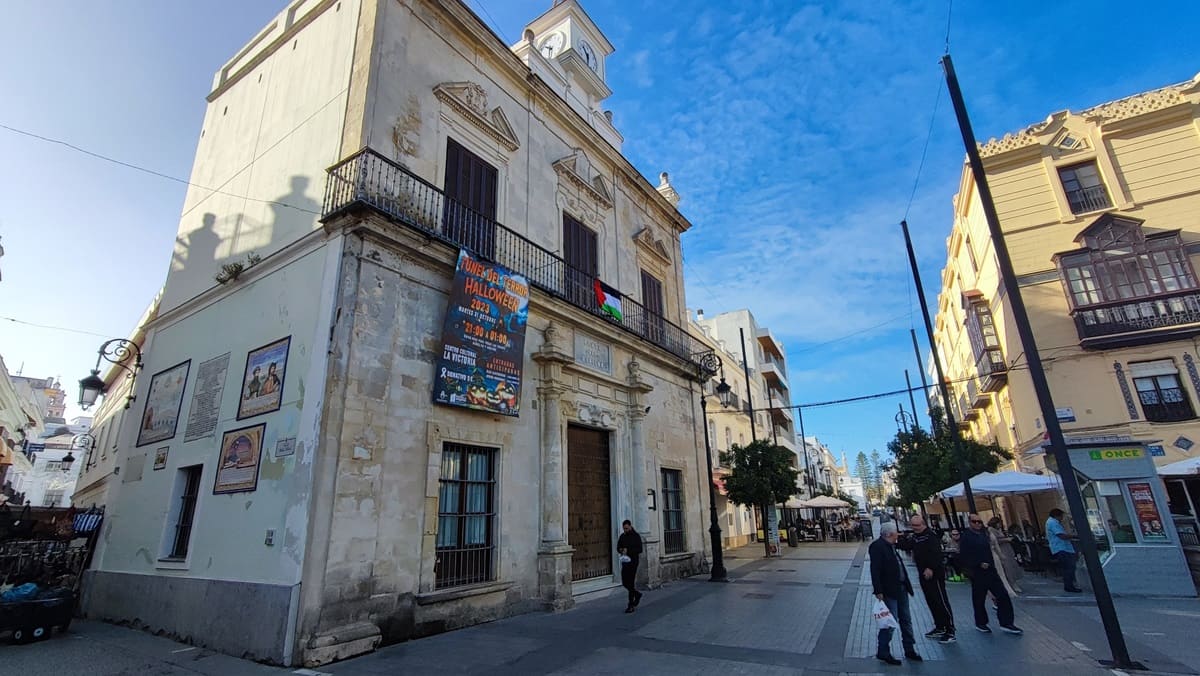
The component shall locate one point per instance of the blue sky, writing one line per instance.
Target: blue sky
(792, 130)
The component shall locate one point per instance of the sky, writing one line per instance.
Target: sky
(794, 132)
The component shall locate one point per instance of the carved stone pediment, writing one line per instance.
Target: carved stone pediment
(470, 101)
(653, 245)
(576, 170)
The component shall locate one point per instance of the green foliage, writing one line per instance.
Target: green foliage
(761, 474)
(926, 463)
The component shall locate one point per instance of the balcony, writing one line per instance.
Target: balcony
(979, 398)
(769, 343)
(773, 373)
(1089, 198)
(993, 372)
(781, 408)
(1138, 322)
(369, 181)
(964, 405)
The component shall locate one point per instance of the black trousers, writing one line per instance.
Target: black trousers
(628, 578)
(939, 604)
(982, 582)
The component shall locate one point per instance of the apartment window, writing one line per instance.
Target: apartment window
(469, 209)
(652, 301)
(1120, 263)
(183, 510)
(52, 498)
(580, 249)
(712, 431)
(672, 493)
(53, 466)
(1160, 391)
(466, 516)
(728, 438)
(1084, 190)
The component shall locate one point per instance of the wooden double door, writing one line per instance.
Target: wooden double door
(589, 503)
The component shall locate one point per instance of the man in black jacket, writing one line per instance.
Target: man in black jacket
(891, 585)
(975, 555)
(926, 547)
(629, 546)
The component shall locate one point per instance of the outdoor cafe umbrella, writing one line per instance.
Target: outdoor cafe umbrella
(825, 501)
(1183, 468)
(1008, 482)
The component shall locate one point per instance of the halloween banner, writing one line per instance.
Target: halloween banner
(483, 339)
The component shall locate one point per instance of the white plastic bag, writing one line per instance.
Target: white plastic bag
(625, 559)
(883, 617)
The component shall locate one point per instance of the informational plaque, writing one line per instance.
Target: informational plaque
(206, 398)
(483, 339)
(285, 447)
(592, 353)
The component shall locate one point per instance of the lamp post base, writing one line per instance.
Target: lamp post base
(717, 572)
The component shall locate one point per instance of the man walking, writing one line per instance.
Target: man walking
(629, 546)
(975, 555)
(926, 547)
(1062, 549)
(892, 586)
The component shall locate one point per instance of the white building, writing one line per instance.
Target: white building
(853, 486)
(378, 159)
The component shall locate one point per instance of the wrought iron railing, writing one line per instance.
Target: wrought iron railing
(372, 180)
(1168, 310)
(1090, 198)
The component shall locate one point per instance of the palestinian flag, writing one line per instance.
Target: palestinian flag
(609, 300)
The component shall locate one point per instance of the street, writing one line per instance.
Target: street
(807, 612)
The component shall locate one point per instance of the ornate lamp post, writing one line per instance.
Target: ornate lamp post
(84, 442)
(714, 529)
(117, 351)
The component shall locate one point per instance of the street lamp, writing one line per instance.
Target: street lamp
(84, 442)
(710, 363)
(116, 351)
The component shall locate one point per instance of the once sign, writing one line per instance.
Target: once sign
(1115, 453)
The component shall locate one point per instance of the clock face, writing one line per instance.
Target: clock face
(551, 45)
(588, 54)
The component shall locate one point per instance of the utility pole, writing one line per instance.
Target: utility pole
(911, 400)
(941, 375)
(924, 383)
(1041, 387)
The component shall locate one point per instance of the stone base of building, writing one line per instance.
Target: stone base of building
(679, 566)
(244, 619)
(554, 577)
(342, 643)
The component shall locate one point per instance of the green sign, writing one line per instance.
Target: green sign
(1115, 453)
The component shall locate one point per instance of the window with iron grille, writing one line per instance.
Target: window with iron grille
(1083, 187)
(187, 486)
(672, 492)
(466, 543)
(1160, 392)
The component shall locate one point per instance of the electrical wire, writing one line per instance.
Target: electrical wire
(54, 328)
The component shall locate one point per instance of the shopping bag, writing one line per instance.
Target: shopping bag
(883, 617)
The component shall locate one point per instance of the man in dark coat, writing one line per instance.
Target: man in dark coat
(891, 585)
(629, 546)
(926, 547)
(975, 556)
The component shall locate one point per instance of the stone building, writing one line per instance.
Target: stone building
(290, 491)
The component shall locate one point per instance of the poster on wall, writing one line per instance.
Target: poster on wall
(206, 398)
(262, 383)
(163, 401)
(483, 339)
(237, 466)
(1149, 520)
(160, 457)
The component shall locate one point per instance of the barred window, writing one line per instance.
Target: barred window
(466, 516)
(672, 491)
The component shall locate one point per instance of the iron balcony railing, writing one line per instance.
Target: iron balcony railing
(992, 370)
(372, 180)
(1090, 198)
(1161, 312)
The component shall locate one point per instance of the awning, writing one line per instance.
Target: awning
(1189, 467)
(825, 501)
(1003, 483)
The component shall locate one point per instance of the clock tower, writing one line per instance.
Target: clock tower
(566, 36)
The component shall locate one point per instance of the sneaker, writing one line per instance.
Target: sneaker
(1011, 629)
(936, 631)
(983, 628)
(947, 638)
(889, 659)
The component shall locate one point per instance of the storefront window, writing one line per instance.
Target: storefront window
(1120, 526)
(1095, 517)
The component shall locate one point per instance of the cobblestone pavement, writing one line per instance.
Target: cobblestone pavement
(803, 613)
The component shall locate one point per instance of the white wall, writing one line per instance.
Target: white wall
(36, 483)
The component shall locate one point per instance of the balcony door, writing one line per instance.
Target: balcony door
(652, 301)
(580, 250)
(469, 209)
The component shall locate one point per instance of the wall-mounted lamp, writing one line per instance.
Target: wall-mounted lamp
(651, 499)
(116, 351)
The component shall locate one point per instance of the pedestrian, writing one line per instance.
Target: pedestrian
(975, 555)
(1062, 549)
(1002, 552)
(950, 548)
(890, 583)
(926, 548)
(629, 546)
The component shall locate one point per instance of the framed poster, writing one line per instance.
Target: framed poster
(163, 401)
(1146, 512)
(483, 338)
(160, 457)
(262, 383)
(237, 466)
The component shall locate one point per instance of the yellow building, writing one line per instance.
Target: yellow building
(1101, 214)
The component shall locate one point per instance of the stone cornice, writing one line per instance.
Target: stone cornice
(650, 244)
(569, 168)
(470, 100)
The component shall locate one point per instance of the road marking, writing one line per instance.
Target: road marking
(310, 672)
(1081, 646)
(183, 650)
(1153, 633)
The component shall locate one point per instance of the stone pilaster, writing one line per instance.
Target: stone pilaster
(554, 554)
(650, 574)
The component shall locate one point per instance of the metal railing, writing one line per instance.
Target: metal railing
(1165, 311)
(1090, 198)
(372, 180)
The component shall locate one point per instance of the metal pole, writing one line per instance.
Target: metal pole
(749, 392)
(921, 371)
(912, 402)
(1058, 446)
(714, 528)
(804, 445)
(941, 376)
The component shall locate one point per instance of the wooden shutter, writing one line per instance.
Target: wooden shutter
(652, 300)
(470, 205)
(581, 253)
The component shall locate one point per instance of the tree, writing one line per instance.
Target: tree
(862, 470)
(926, 463)
(876, 478)
(761, 475)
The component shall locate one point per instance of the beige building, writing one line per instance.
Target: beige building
(1101, 214)
(313, 428)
